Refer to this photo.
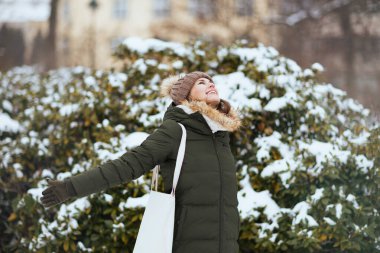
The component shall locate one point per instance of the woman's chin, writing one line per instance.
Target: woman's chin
(213, 101)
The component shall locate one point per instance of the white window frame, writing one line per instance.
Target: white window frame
(244, 8)
(161, 8)
(201, 9)
(120, 9)
(66, 10)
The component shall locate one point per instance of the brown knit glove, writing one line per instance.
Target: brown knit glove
(57, 192)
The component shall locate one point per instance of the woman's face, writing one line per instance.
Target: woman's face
(205, 90)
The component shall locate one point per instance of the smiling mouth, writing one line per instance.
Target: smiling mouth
(211, 92)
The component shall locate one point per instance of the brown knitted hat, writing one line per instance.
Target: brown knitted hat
(179, 88)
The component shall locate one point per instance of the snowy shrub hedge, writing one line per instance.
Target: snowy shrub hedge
(308, 163)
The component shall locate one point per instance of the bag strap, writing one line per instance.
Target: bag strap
(181, 154)
(178, 164)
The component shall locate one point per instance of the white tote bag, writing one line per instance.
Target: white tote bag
(157, 226)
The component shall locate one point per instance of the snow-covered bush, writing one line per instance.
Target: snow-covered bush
(308, 164)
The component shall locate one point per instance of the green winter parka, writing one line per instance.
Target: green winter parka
(206, 214)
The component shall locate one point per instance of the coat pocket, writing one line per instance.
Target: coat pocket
(181, 220)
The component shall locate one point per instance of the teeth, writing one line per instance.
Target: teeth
(211, 92)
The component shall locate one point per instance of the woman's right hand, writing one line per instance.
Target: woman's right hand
(57, 193)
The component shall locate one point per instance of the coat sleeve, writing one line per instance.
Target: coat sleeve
(162, 144)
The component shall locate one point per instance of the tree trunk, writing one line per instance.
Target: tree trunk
(348, 48)
(51, 38)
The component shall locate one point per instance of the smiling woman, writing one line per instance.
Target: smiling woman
(206, 213)
(204, 89)
(194, 88)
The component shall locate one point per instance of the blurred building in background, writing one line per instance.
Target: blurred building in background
(88, 30)
(23, 28)
(342, 35)
(87, 35)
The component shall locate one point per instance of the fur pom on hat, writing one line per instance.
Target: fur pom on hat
(167, 85)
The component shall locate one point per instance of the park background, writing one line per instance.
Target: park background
(79, 86)
(342, 35)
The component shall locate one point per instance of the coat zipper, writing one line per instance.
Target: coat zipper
(221, 198)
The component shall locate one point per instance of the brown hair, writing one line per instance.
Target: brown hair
(224, 106)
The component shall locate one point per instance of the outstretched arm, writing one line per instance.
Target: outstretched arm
(155, 149)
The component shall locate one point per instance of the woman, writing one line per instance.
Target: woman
(206, 214)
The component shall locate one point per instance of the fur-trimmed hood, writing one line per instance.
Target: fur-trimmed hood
(214, 118)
